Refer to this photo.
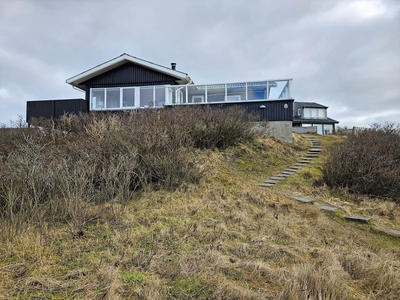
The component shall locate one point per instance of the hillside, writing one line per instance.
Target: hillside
(223, 238)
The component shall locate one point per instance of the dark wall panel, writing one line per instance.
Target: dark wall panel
(77, 106)
(48, 109)
(39, 109)
(130, 74)
(54, 109)
(273, 111)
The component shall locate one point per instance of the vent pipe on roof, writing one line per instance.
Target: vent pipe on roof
(173, 66)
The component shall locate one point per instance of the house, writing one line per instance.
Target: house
(312, 114)
(129, 83)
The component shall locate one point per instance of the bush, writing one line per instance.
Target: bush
(368, 162)
(216, 127)
(63, 170)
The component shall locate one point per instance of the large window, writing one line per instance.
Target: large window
(315, 113)
(127, 97)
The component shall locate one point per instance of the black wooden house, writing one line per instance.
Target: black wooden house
(128, 83)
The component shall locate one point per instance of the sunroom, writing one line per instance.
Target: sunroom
(134, 97)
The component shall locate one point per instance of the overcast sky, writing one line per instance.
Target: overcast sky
(343, 54)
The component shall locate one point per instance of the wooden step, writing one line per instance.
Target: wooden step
(328, 207)
(266, 184)
(393, 231)
(357, 219)
(276, 178)
(302, 199)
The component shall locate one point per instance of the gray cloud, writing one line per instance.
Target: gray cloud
(343, 54)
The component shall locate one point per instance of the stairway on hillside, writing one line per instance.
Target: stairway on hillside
(315, 150)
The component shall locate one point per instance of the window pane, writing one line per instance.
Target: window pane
(196, 94)
(256, 90)
(160, 96)
(146, 96)
(319, 128)
(328, 129)
(216, 93)
(307, 113)
(128, 97)
(321, 113)
(236, 91)
(285, 89)
(112, 98)
(97, 101)
(278, 89)
(314, 113)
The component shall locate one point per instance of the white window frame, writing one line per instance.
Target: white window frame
(121, 95)
(198, 96)
(91, 98)
(136, 104)
(231, 96)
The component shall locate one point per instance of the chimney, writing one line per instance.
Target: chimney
(173, 66)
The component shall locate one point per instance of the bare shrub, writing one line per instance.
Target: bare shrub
(10, 137)
(367, 162)
(165, 152)
(26, 184)
(216, 127)
(64, 170)
(76, 192)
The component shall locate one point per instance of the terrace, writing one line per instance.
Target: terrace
(121, 98)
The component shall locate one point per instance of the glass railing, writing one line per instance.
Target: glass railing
(158, 96)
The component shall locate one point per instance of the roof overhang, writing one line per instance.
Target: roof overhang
(298, 120)
(77, 80)
(311, 105)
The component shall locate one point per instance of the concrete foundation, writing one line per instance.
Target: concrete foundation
(279, 129)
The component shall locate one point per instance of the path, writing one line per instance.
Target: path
(315, 150)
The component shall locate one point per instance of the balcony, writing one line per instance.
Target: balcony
(158, 96)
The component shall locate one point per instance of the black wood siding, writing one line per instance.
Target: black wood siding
(128, 75)
(54, 109)
(273, 111)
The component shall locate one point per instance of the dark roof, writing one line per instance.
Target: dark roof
(298, 120)
(311, 104)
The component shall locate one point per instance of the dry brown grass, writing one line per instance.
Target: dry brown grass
(223, 238)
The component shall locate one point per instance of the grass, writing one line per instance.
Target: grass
(222, 238)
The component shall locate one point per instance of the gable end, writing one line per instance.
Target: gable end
(130, 74)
